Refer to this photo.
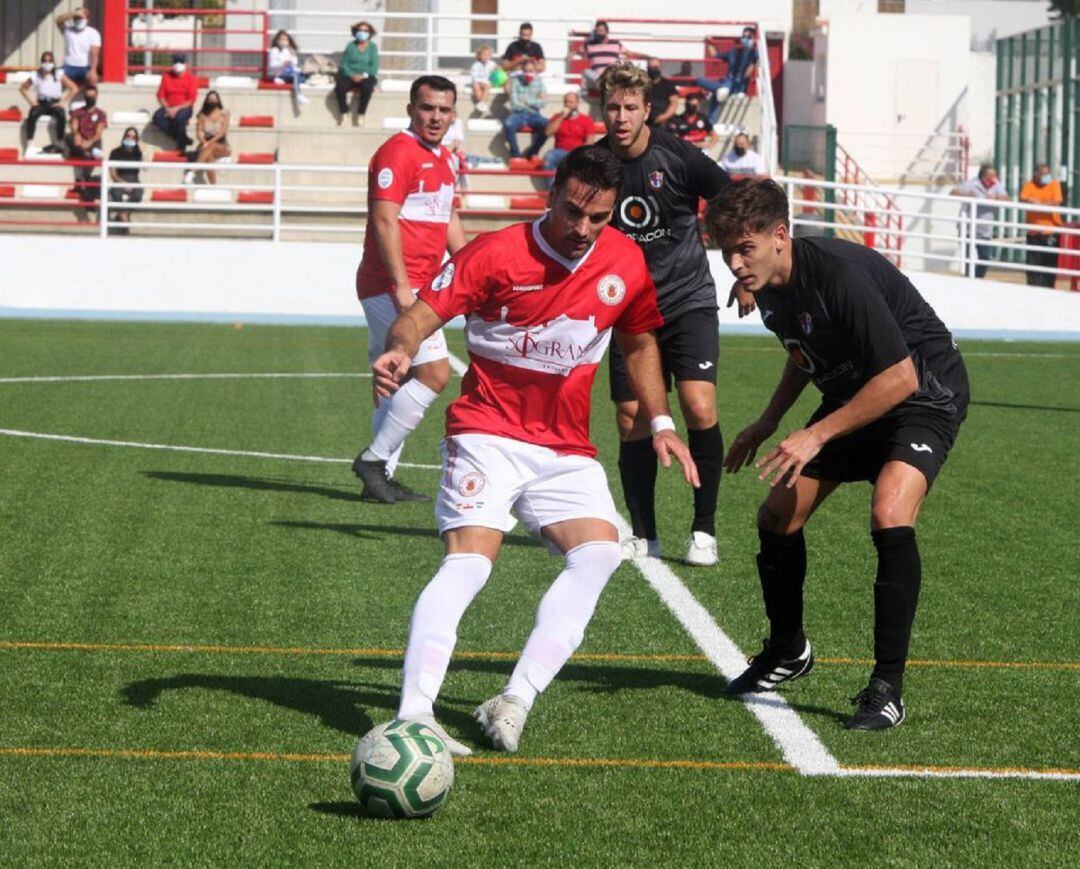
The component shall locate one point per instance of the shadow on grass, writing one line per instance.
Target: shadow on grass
(341, 809)
(377, 532)
(1010, 406)
(258, 484)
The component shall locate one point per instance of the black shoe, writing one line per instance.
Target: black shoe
(404, 493)
(880, 707)
(768, 670)
(52, 149)
(376, 486)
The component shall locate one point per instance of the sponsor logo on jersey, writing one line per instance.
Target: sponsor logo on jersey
(922, 448)
(800, 355)
(555, 347)
(639, 212)
(705, 366)
(444, 278)
(471, 484)
(526, 288)
(386, 178)
(806, 322)
(611, 289)
(656, 179)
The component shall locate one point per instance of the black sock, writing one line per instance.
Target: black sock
(896, 593)
(707, 451)
(637, 470)
(782, 569)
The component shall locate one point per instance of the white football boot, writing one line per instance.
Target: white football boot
(502, 718)
(701, 549)
(452, 745)
(639, 547)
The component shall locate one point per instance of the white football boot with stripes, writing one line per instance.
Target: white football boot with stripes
(880, 707)
(639, 547)
(502, 718)
(452, 745)
(768, 670)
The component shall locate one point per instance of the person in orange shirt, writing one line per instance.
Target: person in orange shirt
(1042, 189)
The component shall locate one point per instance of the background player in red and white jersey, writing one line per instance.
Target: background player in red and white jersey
(541, 301)
(411, 225)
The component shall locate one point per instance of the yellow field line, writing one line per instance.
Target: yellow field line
(482, 655)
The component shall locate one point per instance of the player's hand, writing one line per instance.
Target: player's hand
(744, 297)
(402, 299)
(389, 371)
(746, 443)
(786, 460)
(668, 446)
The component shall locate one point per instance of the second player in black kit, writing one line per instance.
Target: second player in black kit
(894, 394)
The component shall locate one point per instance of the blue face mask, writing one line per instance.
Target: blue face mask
(130, 143)
(1045, 179)
(361, 36)
(747, 42)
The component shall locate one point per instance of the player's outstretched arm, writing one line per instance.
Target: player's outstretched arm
(383, 222)
(745, 446)
(643, 370)
(411, 327)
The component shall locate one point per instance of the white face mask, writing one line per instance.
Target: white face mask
(79, 23)
(284, 43)
(179, 67)
(47, 66)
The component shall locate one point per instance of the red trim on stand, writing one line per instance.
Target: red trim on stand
(114, 39)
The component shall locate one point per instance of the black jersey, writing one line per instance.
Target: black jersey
(848, 314)
(658, 208)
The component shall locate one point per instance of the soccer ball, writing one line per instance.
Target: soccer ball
(497, 77)
(401, 769)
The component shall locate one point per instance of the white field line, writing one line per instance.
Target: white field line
(798, 744)
(915, 772)
(458, 365)
(93, 378)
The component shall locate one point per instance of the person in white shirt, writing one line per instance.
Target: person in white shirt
(742, 160)
(82, 48)
(480, 78)
(48, 99)
(283, 64)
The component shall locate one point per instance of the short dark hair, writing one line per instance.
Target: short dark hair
(600, 22)
(984, 168)
(746, 206)
(749, 29)
(435, 82)
(593, 166)
(525, 25)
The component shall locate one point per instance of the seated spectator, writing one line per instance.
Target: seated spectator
(527, 100)
(82, 49)
(359, 71)
(1042, 189)
(212, 125)
(741, 65)
(121, 179)
(601, 51)
(283, 64)
(454, 142)
(480, 78)
(692, 126)
(663, 95)
(743, 160)
(523, 48)
(571, 129)
(47, 100)
(88, 123)
(176, 95)
(983, 186)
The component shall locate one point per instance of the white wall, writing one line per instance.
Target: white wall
(798, 92)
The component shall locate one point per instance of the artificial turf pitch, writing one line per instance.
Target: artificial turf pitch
(158, 612)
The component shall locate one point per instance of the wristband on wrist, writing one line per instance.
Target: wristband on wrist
(661, 423)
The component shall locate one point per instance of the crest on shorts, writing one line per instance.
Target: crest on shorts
(444, 278)
(656, 179)
(806, 323)
(611, 289)
(471, 484)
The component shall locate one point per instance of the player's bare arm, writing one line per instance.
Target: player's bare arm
(744, 297)
(413, 326)
(383, 222)
(880, 394)
(745, 446)
(455, 234)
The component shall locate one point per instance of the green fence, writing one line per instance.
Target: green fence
(811, 148)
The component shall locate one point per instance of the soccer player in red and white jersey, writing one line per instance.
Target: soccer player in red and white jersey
(541, 301)
(411, 225)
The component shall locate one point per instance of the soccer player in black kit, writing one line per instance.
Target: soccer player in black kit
(894, 393)
(664, 178)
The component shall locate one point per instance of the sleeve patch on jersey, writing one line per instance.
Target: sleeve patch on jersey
(444, 278)
(611, 289)
(386, 178)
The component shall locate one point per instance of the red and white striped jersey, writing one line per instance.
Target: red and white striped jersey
(421, 180)
(537, 327)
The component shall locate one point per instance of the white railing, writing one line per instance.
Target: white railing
(768, 147)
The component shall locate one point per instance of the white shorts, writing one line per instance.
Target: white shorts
(381, 313)
(488, 479)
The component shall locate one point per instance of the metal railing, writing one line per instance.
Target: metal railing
(215, 40)
(768, 147)
(933, 156)
(880, 205)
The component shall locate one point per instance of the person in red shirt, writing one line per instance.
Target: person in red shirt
(570, 128)
(411, 225)
(541, 302)
(176, 95)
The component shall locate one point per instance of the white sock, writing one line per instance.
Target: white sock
(404, 411)
(433, 630)
(562, 617)
(377, 417)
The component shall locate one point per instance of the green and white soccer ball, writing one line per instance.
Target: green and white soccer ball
(401, 769)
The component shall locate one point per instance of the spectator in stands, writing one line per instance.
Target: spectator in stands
(741, 64)
(82, 49)
(283, 64)
(176, 96)
(359, 71)
(88, 123)
(454, 142)
(121, 179)
(571, 129)
(211, 128)
(48, 99)
(527, 100)
(601, 51)
(692, 126)
(663, 95)
(984, 186)
(480, 78)
(742, 160)
(523, 48)
(1042, 189)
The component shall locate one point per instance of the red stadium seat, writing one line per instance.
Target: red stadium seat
(202, 81)
(519, 164)
(169, 157)
(13, 114)
(256, 120)
(599, 129)
(686, 90)
(255, 158)
(3, 76)
(528, 203)
(267, 85)
(168, 196)
(9, 155)
(255, 197)
(7, 191)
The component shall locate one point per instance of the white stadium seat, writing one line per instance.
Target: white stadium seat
(235, 81)
(42, 191)
(395, 85)
(146, 79)
(210, 194)
(130, 118)
(483, 125)
(395, 123)
(485, 200)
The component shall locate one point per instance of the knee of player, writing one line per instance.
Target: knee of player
(773, 519)
(890, 512)
(699, 413)
(435, 376)
(626, 420)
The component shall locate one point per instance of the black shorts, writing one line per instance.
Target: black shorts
(919, 437)
(689, 350)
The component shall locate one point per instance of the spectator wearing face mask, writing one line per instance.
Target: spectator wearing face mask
(984, 186)
(523, 48)
(122, 180)
(1042, 189)
(601, 51)
(359, 71)
(663, 95)
(88, 123)
(46, 100)
(743, 161)
(283, 64)
(82, 48)
(692, 126)
(741, 64)
(176, 96)
(571, 129)
(527, 100)
(211, 128)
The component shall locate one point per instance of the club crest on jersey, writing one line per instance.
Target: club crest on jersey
(444, 278)
(611, 289)
(386, 178)
(471, 484)
(656, 179)
(806, 323)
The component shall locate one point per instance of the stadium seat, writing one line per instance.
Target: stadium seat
(9, 155)
(256, 120)
(211, 194)
(599, 129)
(13, 115)
(7, 191)
(168, 196)
(3, 76)
(395, 85)
(41, 191)
(395, 123)
(130, 118)
(256, 158)
(528, 203)
(485, 201)
(146, 79)
(255, 197)
(202, 82)
(483, 125)
(19, 77)
(234, 81)
(169, 157)
(686, 90)
(268, 85)
(521, 164)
